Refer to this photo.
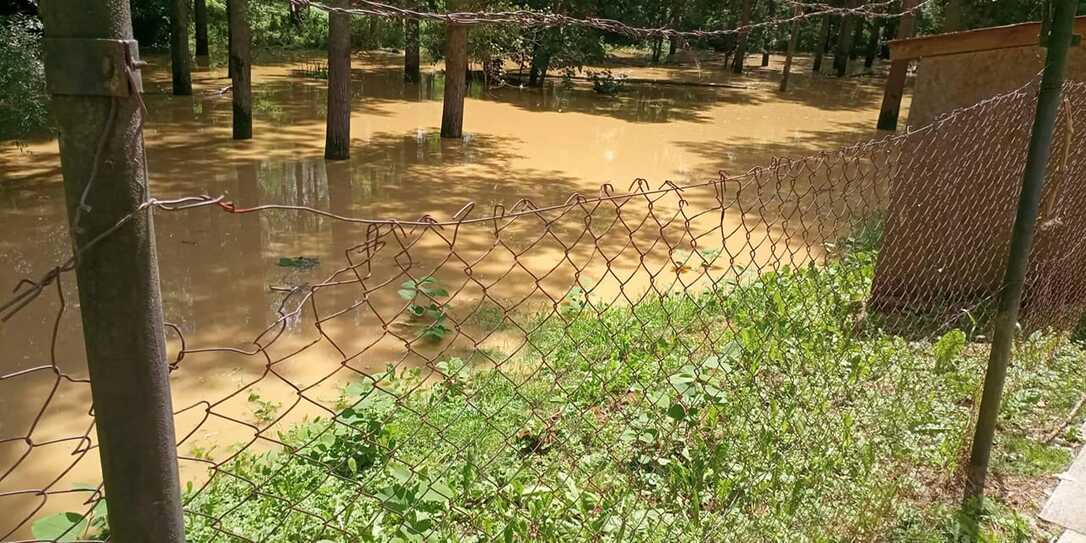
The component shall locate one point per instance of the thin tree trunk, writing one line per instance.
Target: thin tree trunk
(895, 82)
(767, 34)
(820, 44)
(857, 38)
(337, 134)
(792, 39)
(456, 65)
(240, 68)
(537, 72)
(180, 62)
(200, 13)
(873, 44)
(744, 35)
(844, 43)
(657, 49)
(412, 72)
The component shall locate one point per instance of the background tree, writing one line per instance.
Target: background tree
(744, 35)
(337, 135)
(180, 62)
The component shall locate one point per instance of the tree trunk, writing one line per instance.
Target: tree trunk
(844, 43)
(767, 33)
(337, 134)
(200, 12)
(412, 73)
(873, 44)
(792, 39)
(537, 72)
(456, 65)
(240, 68)
(657, 49)
(672, 48)
(895, 82)
(119, 293)
(952, 16)
(857, 38)
(180, 62)
(744, 35)
(821, 43)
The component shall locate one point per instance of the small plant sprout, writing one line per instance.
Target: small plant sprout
(424, 307)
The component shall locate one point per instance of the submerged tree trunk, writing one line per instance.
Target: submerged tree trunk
(873, 44)
(456, 65)
(792, 39)
(821, 43)
(744, 35)
(200, 13)
(844, 42)
(412, 72)
(857, 38)
(240, 68)
(337, 134)
(657, 50)
(537, 72)
(767, 33)
(180, 62)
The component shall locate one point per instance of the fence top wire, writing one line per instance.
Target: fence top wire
(539, 19)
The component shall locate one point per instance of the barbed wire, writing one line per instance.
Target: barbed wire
(529, 18)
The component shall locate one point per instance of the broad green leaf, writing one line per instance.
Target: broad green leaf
(59, 527)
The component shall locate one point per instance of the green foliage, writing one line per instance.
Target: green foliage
(22, 78)
(752, 410)
(71, 526)
(424, 306)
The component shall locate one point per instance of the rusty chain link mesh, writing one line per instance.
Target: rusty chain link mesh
(737, 359)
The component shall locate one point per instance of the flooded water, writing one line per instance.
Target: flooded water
(222, 279)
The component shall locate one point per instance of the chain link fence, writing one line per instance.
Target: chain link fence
(793, 353)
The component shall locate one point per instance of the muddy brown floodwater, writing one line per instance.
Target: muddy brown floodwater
(220, 273)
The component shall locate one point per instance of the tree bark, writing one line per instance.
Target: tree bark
(241, 68)
(873, 44)
(792, 39)
(821, 43)
(200, 12)
(844, 43)
(412, 72)
(180, 63)
(895, 82)
(337, 139)
(741, 44)
(119, 294)
(767, 33)
(857, 38)
(456, 65)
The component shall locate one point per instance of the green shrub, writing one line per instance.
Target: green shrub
(22, 78)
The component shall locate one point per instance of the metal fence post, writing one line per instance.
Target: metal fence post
(92, 72)
(1048, 104)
